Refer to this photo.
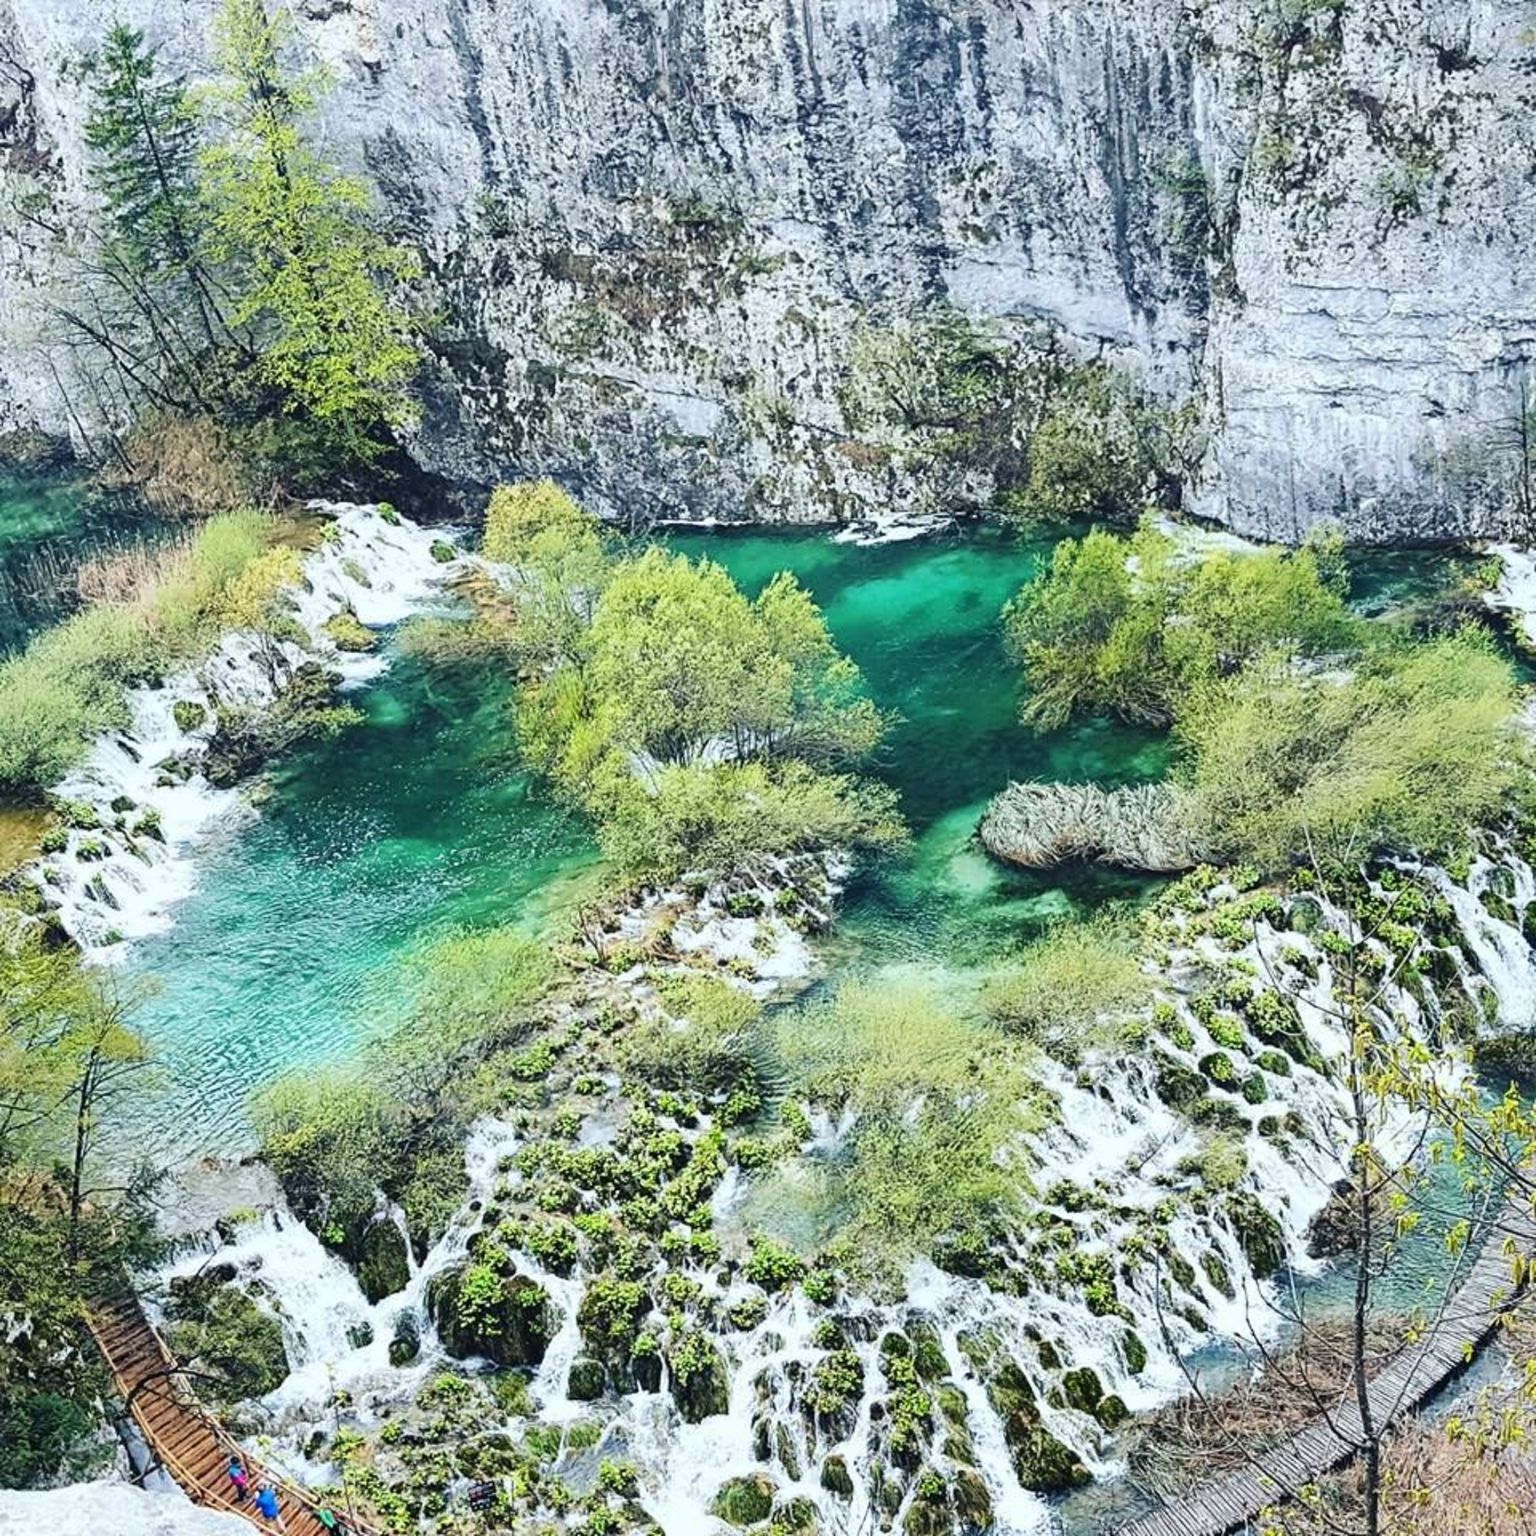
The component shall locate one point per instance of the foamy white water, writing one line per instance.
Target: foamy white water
(119, 882)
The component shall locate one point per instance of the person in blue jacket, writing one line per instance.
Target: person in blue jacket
(266, 1502)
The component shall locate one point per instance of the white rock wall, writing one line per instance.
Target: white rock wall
(658, 226)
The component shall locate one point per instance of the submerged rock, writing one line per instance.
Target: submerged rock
(1145, 826)
(405, 1343)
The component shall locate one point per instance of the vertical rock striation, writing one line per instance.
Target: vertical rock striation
(674, 238)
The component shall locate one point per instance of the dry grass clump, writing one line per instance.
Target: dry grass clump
(1146, 826)
(185, 466)
(1202, 1436)
(121, 576)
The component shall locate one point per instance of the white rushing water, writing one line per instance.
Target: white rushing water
(119, 880)
(1112, 1135)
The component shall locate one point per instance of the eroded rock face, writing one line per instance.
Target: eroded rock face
(670, 238)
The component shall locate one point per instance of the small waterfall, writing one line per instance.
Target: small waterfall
(142, 788)
(1500, 951)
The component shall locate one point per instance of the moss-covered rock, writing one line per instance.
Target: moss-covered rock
(1260, 1235)
(218, 1328)
(1040, 1461)
(383, 1267)
(405, 1341)
(701, 1385)
(483, 1309)
(973, 1503)
(348, 633)
(796, 1516)
(744, 1501)
(586, 1381)
(610, 1314)
(188, 715)
(1082, 1389)
(836, 1478)
(1178, 1086)
(1111, 1411)
(928, 1355)
(1135, 1352)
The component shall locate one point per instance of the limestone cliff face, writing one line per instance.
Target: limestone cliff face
(679, 245)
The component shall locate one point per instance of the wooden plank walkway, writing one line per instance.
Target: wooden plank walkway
(1232, 1501)
(183, 1436)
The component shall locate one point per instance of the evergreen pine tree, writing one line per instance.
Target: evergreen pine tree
(144, 133)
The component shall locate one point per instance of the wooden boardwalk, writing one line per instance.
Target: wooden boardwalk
(182, 1435)
(1233, 1501)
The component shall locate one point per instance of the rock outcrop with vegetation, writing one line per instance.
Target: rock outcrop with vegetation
(1293, 215)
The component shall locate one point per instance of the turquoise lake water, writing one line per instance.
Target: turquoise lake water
(47, 522)
(421, 818)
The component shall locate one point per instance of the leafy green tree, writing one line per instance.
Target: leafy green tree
(690, 720)
(1133, 626)
(1411, 751)
(312, 275)
(561, 563)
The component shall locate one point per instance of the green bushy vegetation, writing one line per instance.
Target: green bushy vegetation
(701, 729)
(68, 685)
(941, 1099)
(394, 1118)
(1303, 729)
(1124, 625)
(1411, 750)
(67, 1054)
(1064, 983)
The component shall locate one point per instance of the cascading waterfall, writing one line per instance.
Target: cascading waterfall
(1112, 1135)
(143, 787)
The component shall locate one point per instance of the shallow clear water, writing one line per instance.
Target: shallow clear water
(415, 821)
(47, 523)
(421, 818)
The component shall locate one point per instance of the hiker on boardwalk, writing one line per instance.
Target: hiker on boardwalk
(266, 1503)
(239, 1479)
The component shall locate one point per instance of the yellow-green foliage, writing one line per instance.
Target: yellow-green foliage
(720, 818)
(708, 1042)
(1409, 751)
(1131, 627)
(691, 721)
(533, 521)
(942, 1098)
(1079, 973)
(68, 686)
(348, 633)
(314, 277)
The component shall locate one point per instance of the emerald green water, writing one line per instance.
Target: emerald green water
(47, 524)
(416, 821)
(421, 818)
